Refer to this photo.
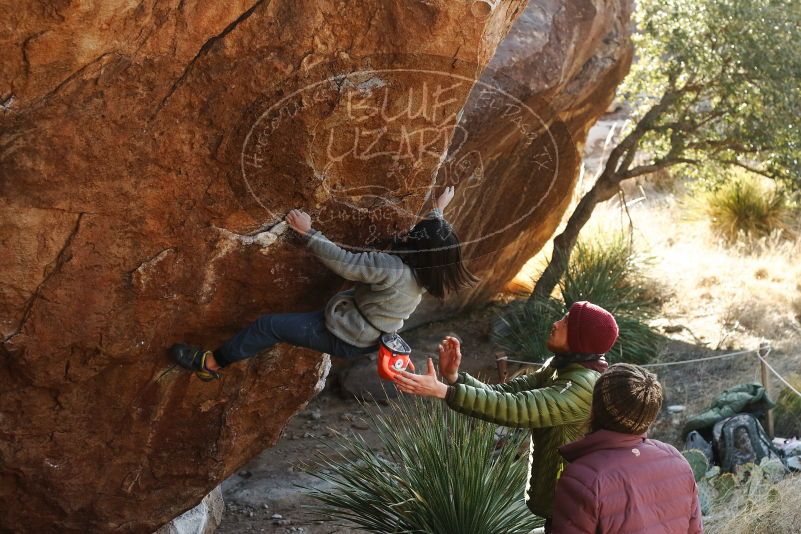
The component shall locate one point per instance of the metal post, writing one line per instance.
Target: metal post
(764, 350)
(503, 367)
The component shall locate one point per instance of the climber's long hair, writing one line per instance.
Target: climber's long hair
(433, 251)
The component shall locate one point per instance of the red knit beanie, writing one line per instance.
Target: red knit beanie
(590, 329)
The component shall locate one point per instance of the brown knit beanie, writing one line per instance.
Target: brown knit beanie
(626, 399)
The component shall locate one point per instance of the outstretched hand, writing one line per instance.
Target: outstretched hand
(445, 198)
(425, 385)
(450, 357)
(299, 221)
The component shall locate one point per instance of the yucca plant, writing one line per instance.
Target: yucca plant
(441, 473)
(747, 207)
(522, 331)
(605, 271)
(608, 270)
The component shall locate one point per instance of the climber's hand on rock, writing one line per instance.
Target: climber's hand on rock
(445, 198)
(299, 221)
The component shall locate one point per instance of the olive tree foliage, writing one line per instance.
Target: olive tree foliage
(716, 84)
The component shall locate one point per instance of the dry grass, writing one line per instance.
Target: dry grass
(726, 296)
(772, 512)
(720, 297)
(723, 296)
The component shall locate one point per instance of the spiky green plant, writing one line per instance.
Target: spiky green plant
(605, 271)
(773, 495)
(747, 206)
(712, 472)
(751, 478)
(745, 473)
(441, 472)
(523, 330)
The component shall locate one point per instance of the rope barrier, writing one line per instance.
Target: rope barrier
(665, 364)
(696, 360)
(765, 348)
(780, 377)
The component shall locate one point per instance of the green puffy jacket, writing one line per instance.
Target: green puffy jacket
(554, 404)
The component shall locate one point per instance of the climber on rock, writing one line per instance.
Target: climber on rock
(554, 402)
(389, 286)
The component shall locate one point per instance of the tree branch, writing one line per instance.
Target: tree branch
(749, 168)
(658, 166)
(645, 124)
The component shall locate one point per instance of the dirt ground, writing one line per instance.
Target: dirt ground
(270, 485)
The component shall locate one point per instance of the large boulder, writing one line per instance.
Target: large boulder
(522, 132)
(148, 152)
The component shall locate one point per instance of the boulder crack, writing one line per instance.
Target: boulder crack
(72, 76)
(202, 51)
(63, 256)
(25, 61)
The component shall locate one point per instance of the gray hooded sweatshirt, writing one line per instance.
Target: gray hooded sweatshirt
(386, 291)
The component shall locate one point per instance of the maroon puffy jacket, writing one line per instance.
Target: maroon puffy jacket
(624, 483)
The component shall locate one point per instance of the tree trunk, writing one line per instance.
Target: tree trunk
(563, 244)
(615, 171)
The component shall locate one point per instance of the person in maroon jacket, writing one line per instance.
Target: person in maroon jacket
(617, 480)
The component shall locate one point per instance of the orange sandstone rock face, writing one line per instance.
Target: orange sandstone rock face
(148, 154)
(556, 73)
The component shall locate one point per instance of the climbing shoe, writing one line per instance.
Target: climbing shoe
(194, 359)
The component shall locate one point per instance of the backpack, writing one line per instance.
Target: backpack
(739, 440)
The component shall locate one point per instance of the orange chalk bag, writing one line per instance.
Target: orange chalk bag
(393, 356)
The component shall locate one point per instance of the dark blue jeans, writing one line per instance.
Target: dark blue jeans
(306, 330)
